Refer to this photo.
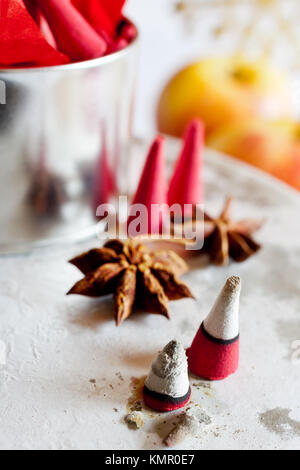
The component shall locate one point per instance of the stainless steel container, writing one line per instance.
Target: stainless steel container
(64, 147)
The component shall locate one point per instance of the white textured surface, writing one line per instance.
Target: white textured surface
(169, 372)
(223, 319)
(55, 344)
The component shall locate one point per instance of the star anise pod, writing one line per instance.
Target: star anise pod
(134, 275)
(223, 238)
(227, 239)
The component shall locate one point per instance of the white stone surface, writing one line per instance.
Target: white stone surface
(56, 344)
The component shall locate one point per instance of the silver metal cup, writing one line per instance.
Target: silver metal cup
(65, 136)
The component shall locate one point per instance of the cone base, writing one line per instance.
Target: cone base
(163, 403)
(213, 359)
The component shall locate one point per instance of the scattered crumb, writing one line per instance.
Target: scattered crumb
(119, 375)
(93, 381)
(135, 420)
(136, 399)
(199, 385)
(188, 426)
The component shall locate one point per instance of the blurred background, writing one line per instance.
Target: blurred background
(244, 81)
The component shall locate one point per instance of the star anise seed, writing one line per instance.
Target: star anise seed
(134, 275)
(229, 239)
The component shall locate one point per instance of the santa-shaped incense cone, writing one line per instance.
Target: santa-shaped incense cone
(214, 353)
(186, 182)
(73, 34)
(151, 194)
(167, 386)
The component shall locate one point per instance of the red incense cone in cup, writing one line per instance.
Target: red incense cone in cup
(118, 45)
(214, 353)
(22, 42)
(128, 30)
(73, 34)
(167, 386)
(186, 182)
(40, 21)
(103, 15)
(151, 194)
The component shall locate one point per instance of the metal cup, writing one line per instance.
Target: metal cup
(65, 134)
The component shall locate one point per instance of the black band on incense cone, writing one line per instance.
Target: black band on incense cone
(217, 340)
(167, 398)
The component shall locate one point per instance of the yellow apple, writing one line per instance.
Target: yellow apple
(222, 90)
(271, 146)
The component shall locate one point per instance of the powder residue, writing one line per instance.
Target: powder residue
(136, 398)
(278, 421)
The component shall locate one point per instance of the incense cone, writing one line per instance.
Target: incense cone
(21, 39)
(151, 193)
(118, 45)
(186, 182)
(167, 386)
(128, 30)
(73, 34)
(41, 21)
(103, 15)
(214, 353)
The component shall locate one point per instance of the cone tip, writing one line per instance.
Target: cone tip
(173, 348)
(195, 125)
(159, 140)
(234, 283)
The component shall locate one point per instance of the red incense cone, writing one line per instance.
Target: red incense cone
(73, 34)
(22, 42)
(186, 182)
(118, 45)
(151, 193)
(128, 30)
(40, 21)
(167, 386)
(103, 15)
(214, 353)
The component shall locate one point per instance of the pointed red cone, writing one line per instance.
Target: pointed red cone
(73, 34)
(22, 43)
(186, 182)
(214, 353)
(151, 193)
